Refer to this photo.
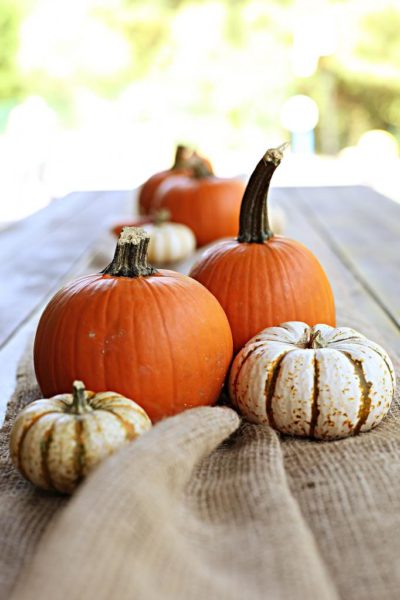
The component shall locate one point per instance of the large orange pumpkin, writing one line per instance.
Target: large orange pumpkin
(157, 337)
(262, 279)
(149, 188)
(209, 205)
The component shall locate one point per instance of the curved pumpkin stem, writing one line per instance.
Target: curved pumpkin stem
(79, 402)
(253, 221)
(130, 258)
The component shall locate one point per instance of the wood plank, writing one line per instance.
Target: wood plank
(36, 265)
(351, 295)
(364, 228)
(52, 217)
(353, 299)
(12, 351)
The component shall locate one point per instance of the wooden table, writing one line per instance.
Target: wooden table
(354, 231)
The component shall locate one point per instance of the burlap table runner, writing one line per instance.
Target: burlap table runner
(203, 507)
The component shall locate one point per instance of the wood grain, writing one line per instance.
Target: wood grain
(353, 297)
(363, 228)
(37, 258)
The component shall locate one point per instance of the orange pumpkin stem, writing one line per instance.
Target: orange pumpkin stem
(130, 258)
(253, 221)
(79, 402)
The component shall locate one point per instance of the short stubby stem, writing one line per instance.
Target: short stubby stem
(161, 216)
(316, 341)
(183, 155)
(130, 258)
(79, 402)
(200, 168)
(253, 221)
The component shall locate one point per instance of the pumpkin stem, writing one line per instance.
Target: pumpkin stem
(79, 402)
(130, 258)
(315, 340)
(199, 167)
(253, 221)
(161, 216)
(182, 156)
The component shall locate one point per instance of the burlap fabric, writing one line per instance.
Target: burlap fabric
(204, 507)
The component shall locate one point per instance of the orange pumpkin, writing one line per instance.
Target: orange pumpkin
(208, 205)
(262, 279)
(157, 337)
(149, 188)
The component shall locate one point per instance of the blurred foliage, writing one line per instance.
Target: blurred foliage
(226, 60)
(11, 80)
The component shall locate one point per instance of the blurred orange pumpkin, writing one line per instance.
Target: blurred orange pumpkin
(209, 205)
(148, 189)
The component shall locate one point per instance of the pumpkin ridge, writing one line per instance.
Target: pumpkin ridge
(365, 388)
(80, 449)
(104, 303)
(60, 326)
(153, 293)
(269, 273)
(229, 268)
(22, 439)
(283, 268)
(129, 429)
(315, 410)
(390, 368)
(294, 258)
(235, 381)
(270, 385)
(215, 266)
(44, 451)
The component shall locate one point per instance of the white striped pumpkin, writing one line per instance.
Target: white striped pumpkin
(55, 443)
(169, 242)
(320, 382)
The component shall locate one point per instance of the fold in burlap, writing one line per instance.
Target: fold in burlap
(203, 508)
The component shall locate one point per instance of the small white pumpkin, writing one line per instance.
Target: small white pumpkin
(322, 382)
(277, 219)
(56, 442)
(169, 242)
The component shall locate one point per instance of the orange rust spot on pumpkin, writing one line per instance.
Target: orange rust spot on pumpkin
(314, 405)
(270, 385)
(236, 380)
(365, 388)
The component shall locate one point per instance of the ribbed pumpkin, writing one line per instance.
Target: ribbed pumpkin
(319, 381)
(208, 205)
(157, 337)
(56, 442)
(262, 279)
(148, 189)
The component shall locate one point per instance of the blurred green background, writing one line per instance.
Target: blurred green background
(95, 93)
